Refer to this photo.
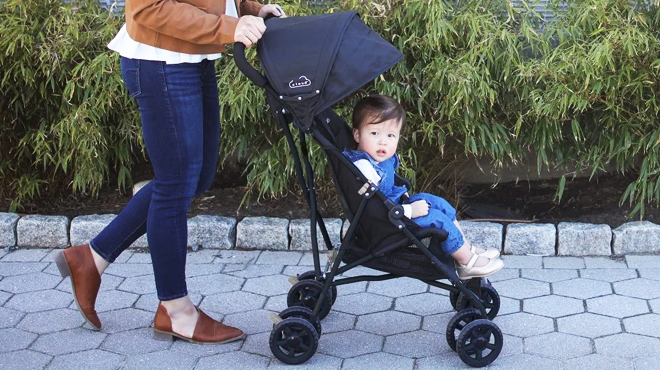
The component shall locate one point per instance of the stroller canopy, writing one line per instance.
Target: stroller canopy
(313, 62)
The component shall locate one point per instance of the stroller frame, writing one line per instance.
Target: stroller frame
(312, 290)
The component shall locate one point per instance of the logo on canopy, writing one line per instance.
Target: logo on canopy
(302, 82)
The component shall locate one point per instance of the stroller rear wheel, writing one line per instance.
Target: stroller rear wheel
(294, 341)
(307, 275)
(489, 297)
(303, 313)
(479, 343)
(306, 293)
(457, 323)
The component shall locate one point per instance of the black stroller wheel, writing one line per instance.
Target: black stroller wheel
(302, 313)
(307, 275)
(489, 297)
(306, 293)
(294, 341)
(453, 299)
(457, 323)
(479, 343)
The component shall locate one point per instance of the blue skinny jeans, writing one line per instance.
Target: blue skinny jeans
(180, 117)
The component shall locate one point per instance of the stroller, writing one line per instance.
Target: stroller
(310, 64)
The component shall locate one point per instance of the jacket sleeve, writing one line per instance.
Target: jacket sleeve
(250, 7)
(185, 21)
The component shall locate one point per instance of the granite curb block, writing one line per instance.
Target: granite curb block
(271, 233)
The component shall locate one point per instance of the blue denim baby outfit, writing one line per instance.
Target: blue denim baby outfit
(441, 214)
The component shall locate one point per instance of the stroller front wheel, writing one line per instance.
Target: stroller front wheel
(479, 343)
(306, 293)
(294, 341)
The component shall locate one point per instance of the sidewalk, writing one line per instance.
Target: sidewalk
(556, 313)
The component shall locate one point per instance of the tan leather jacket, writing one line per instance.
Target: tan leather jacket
(186, 26)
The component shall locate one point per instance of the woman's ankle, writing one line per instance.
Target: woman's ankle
(100, 262)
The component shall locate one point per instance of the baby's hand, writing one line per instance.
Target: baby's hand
(419, 208)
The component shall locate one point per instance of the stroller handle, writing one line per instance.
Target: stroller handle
(245, 67)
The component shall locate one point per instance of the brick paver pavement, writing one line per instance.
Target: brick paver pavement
(556, 313)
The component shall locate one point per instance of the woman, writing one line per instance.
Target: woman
(167, 53)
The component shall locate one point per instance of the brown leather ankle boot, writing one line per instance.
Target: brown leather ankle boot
(207, 330)
(78, 263)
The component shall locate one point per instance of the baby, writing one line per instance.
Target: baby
(377, 124)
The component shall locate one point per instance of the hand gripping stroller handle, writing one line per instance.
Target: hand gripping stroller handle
(245, 67)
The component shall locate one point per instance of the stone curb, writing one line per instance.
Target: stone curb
(271, 233)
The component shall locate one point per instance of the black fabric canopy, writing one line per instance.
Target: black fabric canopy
(315, 61)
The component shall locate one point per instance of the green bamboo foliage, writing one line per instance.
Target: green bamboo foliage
(480, 78)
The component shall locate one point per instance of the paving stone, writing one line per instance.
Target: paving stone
(196, 350)
(51, 321)
(416, 344)
(337, 321)
(524, 239)
(522, 288)
(278, 258)
(379, 360)
(563, 262)
(9, 318)
(645, 261)
(525, 361)
(251, 322)
(362, 303)
(276, 303)
(595, 361)
(582, 239)
(259, 344)
(605, 263)
(25, 255)
(610, 275)
(85, 228)
(200, 256)
(193, 270)
(212, 284)
(653, 274)
(524, 324)
(301, 235)
(423, 304)
(512, 346)
(639, 288)
(504, 274)
(581, 288)
(589, 325)
(140, 257)
(627, 345)
(253, 271)
(635, 237)
(68, 341)
(19, 268)
(39, 301)
(236, 257)
(233, 360)
(268, 285)
(437, 323)
(307, 259)
(14, 339)
(388, 323)
(139, 285)
(8, 223)
(160, 360)
(645, 325)
(353, 288)
(129, 269)
(509, 305)
(646, 363)
(42, 231)
(263, 233)
(29, 282)
(4, 297)
(24, 360)
(448, 361)
(617, 306)
(549, 275)
(125, 319)
(212, 232)
(233, 302)
(553, 306)
(95, 359)
(149, 302)
(114, 300)
(655, 305)
(134, 342)
(318, 362)
(522, 262)
(397, 287)
(350, 343)
(483, 234)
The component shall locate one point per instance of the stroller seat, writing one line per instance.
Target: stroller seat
(310, 63)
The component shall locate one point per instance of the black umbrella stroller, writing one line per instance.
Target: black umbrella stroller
(311, 63)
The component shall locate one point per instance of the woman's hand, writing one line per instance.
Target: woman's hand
(273, 9)
(249, 29)
(419, 208)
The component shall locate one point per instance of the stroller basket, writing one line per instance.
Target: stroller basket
(310, 63)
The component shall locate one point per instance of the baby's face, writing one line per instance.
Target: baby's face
(379, 140)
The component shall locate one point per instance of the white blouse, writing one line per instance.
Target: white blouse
(129, 48)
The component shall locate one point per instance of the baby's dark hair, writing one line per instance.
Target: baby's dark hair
(375, 109)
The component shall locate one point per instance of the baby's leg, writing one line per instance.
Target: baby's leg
(436, 202)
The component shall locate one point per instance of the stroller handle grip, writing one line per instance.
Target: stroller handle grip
(245, 67)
